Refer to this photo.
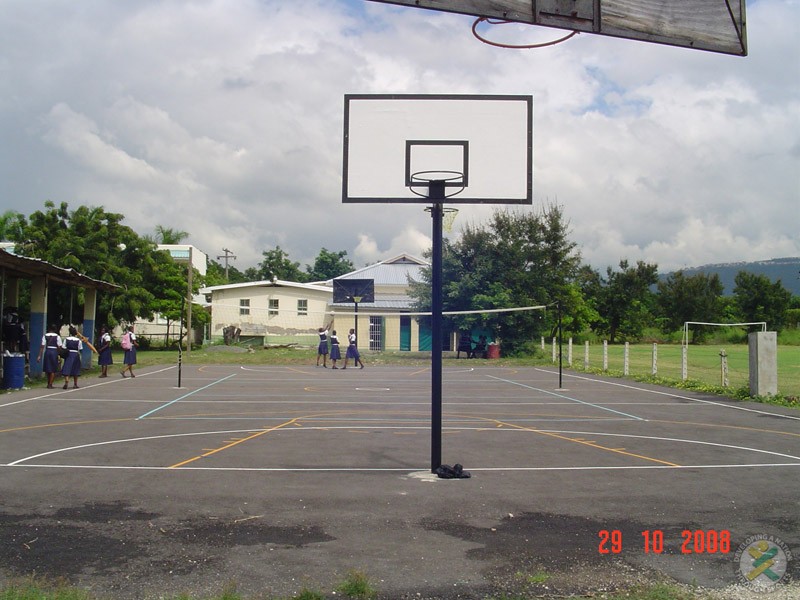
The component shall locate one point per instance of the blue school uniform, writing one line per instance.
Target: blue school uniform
(72, 364)
(51, 342)
(335, 352)
(352, 349)
(323, 343)
(104, 352)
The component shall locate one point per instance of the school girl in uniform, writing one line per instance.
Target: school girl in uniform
(72, 364)
(51, 342)
(335, 352)
(352, 350)
(104, 358)
(322, 348)
(130, 353)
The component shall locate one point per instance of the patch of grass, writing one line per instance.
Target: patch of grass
(308, 595)
(656, 591)
(357, 585)
(33, 589)
(537, 578)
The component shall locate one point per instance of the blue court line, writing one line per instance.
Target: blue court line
(568, 398)
(147, 414)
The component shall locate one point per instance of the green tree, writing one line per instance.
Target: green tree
(517, 259)
(96, 243)
(215, 274)
(328, 265)
(8, 220)
(276, 265)
(168, 235)
(624, 300)
(693, 298)
(759, 299)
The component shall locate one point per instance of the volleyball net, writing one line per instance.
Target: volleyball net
(377, 330)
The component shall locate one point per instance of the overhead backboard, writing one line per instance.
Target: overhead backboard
(353, 290)
(480, 147)
(714, 25)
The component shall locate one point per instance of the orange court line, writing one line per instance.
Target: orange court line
(593, 445)
(232, 444)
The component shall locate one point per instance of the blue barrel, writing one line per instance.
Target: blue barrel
(14, 371)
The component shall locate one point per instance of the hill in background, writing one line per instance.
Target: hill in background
(785, 269)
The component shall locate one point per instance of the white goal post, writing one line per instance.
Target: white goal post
(685, 341)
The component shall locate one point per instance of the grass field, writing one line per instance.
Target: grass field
(703, 364)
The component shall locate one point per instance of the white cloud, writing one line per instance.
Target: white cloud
(225, 120)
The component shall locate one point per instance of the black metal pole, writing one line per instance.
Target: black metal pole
(436, 194)
(560, 348)
(180, 342)
(356, 319)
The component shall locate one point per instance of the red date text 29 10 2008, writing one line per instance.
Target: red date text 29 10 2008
(694, 541)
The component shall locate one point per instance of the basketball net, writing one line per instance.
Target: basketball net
(448, 218)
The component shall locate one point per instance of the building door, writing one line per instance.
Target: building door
(405, 334)
(424, 337)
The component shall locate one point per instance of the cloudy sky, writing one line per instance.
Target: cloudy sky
(224, 118)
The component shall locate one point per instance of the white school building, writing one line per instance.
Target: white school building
(274, 313)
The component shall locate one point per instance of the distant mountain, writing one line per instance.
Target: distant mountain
(785, 269)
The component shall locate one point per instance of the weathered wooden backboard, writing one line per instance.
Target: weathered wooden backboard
(713, 25)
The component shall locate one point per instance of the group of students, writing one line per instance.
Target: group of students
(322, 349)
(53, 349)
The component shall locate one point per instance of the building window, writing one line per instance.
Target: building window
(302, 307)
(244, 306)
(376, 333)
(273, 307)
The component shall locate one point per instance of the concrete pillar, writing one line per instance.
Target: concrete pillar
(763, 348)
(89, 318)
(38, 325)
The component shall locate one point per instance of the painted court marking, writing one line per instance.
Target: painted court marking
(404, 426)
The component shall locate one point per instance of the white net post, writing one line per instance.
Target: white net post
(723, 368)
(586, 355)
(684, 363)
(554, 350)
(569, 352)
(605, 355)
(654, 369)
(626, 360)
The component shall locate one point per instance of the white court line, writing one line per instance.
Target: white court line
(567, 398)
(306, 429)
(61, 392)
(402, 469)
(659, 392)
(171, 402)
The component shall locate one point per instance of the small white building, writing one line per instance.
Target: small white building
(284, 312)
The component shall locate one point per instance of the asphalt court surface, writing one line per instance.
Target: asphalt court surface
(300, 418)
(348, 451)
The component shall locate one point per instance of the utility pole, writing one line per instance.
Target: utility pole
(228, 254)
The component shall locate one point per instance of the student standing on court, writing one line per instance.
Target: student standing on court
(51, 342)
(129, 344)
(322, 348)
(72, 364)
(335, 352)
(352, 350)
(104, 351)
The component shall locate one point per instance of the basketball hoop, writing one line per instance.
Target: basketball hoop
(448, 217)
(480, 20)
(451, 179)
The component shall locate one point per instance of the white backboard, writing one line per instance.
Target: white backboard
(481, 143)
